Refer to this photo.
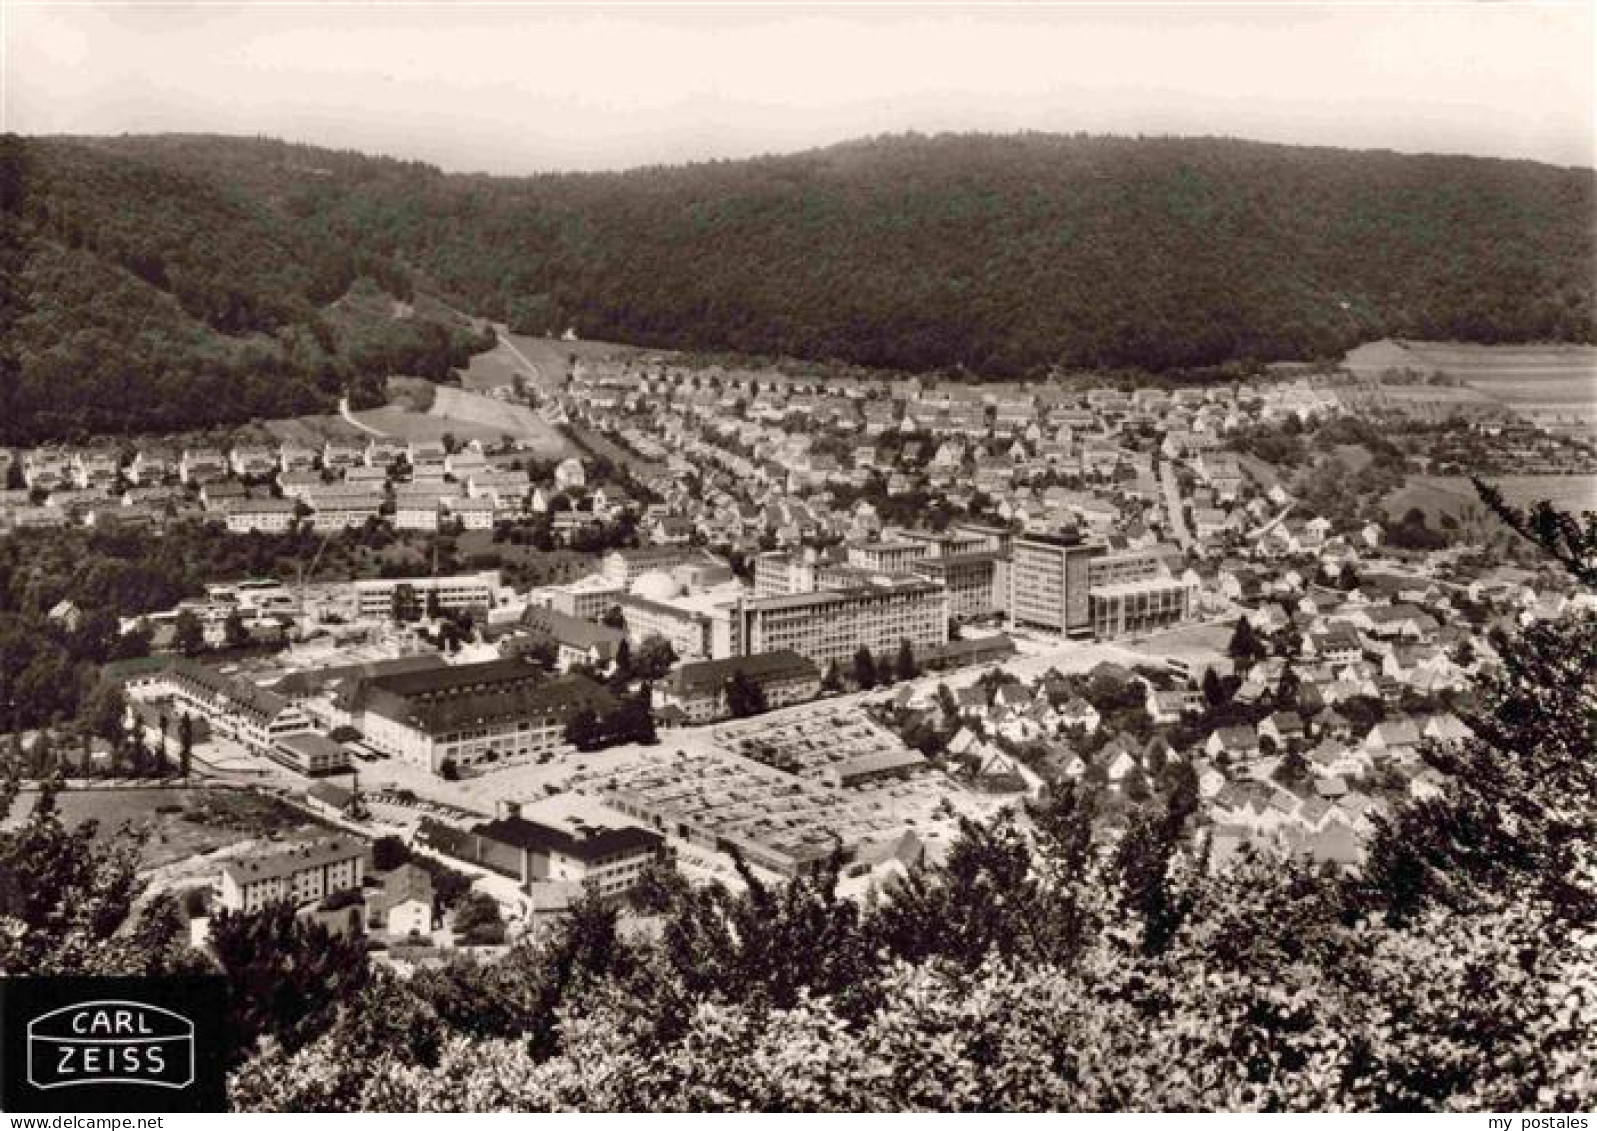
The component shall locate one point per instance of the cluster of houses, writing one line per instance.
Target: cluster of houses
(412, 485)
(747, 456)
(1307, 782)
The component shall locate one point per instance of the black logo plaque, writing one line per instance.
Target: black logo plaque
(112, 1044)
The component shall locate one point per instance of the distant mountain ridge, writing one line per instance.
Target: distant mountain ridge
(997, 255)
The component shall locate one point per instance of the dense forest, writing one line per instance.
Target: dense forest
(137, 298)
(158, 265)
(1046, 964)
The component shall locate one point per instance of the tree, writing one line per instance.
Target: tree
(1135, 784)
(904, 667)
(72, 902)
(654, 658)
(234, 631)
(832, 680)
(1523, 804)
(543, 653)
(1287, 689)
(744, 697)
(1245, 646)
(185, 740)
(864, 669)
(630, 720)
(1214, 694)
(614, 618)
(1571, 542)
(621, 666)
(105, 711)
(1289, 640)
(582, 729)
(478, 920)
(1293, 770)
(403, 606)
(388, 853)
(286, 975)
(188, 636)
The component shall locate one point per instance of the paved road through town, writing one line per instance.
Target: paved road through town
(1172, 502)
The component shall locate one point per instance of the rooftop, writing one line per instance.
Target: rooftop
(282, 865)
(575, 838)
(707, 677)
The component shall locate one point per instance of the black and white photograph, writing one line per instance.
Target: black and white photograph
(798, 558)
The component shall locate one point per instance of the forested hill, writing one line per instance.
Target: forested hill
(1004, 255)
(137, 297)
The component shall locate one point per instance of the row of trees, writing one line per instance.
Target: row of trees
(867, 670)
(628, 719)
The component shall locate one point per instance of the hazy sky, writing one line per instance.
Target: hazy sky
(523, 88)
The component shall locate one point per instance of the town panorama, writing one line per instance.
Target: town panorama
(579, 723)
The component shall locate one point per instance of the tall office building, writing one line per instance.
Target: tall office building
(1061, 584)
(1048, 583)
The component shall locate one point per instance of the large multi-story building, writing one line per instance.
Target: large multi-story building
(374, 597)
(472, 714)
(977, 582)
(1124, 607)
(266, 514)
(300, 875)
(590, 597)
(961, 539)
(832, 624)
(1078, 588)
(699, 690)
(895, 556)
(344, 513)
(575, 641)
(623, 567)
(570, 841)
(692, 635)
(253, 716)
(1048, 583)
(781, 573)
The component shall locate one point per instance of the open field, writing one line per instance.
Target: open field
(476, 410)
(1453, 497)
(467, 416)
(498, 368)
(550, 356)
(423, 411)
(1569, 492)
(401, 423)
(182, 822)
(311, 431)
(1553, 385)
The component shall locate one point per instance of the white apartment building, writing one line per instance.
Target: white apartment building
(272, 516)
(373, 598)
(300, 875)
